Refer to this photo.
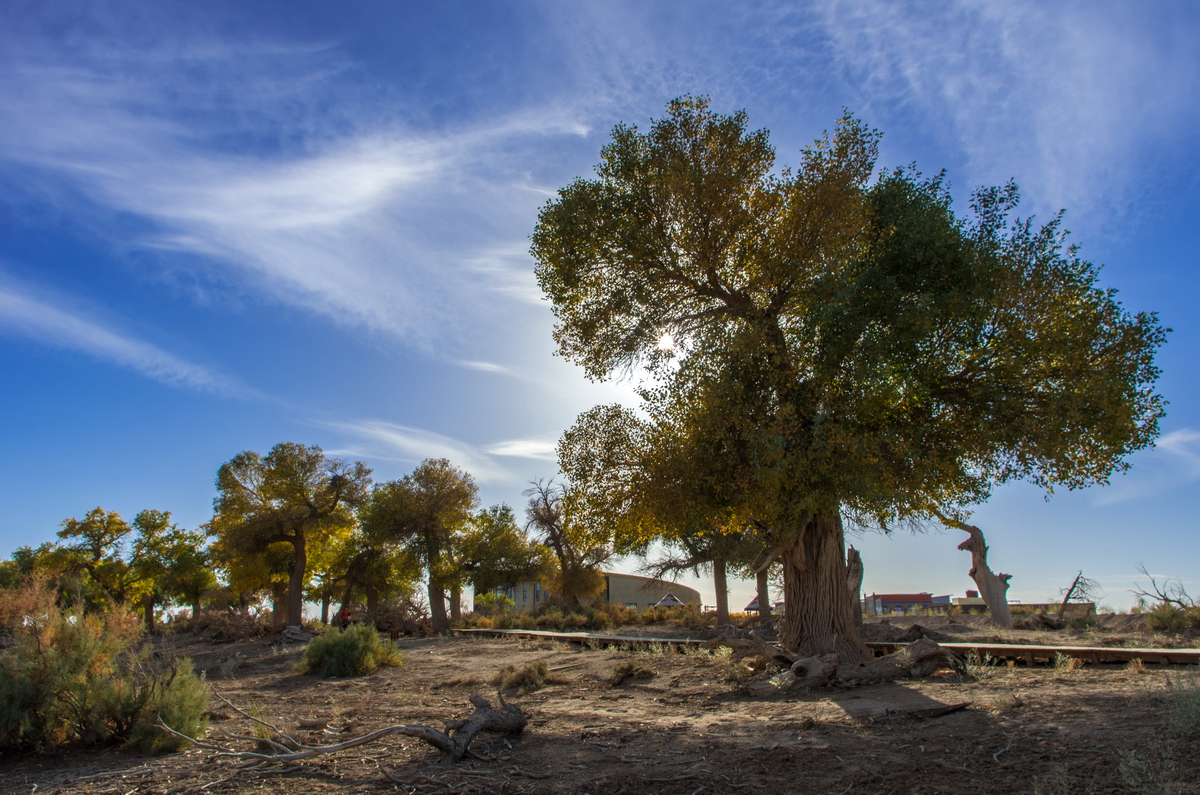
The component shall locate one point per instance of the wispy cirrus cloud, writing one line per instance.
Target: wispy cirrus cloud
(39, 320)
(1075, 101)
(1174, 462)
(374, 224)
(388, 440)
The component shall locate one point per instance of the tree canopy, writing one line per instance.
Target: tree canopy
(283, 498)
(819, 343)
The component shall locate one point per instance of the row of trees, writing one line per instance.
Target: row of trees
(296, 525)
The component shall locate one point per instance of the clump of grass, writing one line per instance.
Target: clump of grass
(737, 672)
(1145, 771)
(631, 669)
(1183, 706)
(460, 681)
(1065, 665)
(525, 679)
(353, 651)
(980, 668)
(1136, 666)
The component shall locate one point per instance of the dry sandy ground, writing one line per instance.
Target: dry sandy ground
(686, 730)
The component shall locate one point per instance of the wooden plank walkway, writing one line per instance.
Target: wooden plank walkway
(1029, 654)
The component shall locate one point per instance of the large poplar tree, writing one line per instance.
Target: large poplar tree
(292, 496)
(821, 344)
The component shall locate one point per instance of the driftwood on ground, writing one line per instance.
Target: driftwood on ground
(920, 658)
(454, 742)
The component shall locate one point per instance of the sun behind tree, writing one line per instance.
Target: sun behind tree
(840, 347)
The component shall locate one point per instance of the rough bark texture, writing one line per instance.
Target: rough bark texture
(437, 606)
(455, 602)
(854, 578)
(819, 615)
(720, 581)
(148, 612)
(295, 600)
(992, 587)
(763, 590)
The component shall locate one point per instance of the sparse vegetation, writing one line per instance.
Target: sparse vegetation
(1183, 706)
(526, 678)
(70, 677)
(631, 669)
(353, 651)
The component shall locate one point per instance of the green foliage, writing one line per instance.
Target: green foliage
(353, 651)
(424, 511)
(837, 345)
(1172, 618)
(76, 677)
(283, 498)
(490, 603)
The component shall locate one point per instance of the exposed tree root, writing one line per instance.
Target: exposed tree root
(454, 742)
(919, 658)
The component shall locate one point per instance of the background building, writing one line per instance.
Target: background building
(624, 589)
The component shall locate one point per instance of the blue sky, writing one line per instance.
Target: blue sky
(227, 225)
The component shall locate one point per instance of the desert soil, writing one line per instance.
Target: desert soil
(685, 730)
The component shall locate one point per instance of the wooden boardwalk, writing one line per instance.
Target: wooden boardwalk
(1029, 654)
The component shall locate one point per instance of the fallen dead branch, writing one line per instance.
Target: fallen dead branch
(454, 742)
(916, 660)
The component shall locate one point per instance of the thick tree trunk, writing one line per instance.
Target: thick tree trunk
(721, 582)
(455, 603)
(372, 599)
(295, 613)
(818, 615)
(992, 587)
(763, 588)
(148, 613)
(195, 607)
(437, 606)
(279, 597)
(325, 609)
(854, 578)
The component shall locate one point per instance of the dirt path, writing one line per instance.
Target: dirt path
(685, 730)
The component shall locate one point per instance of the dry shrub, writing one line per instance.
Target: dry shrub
(1171, 618)
(353, 651)
(244, 624)
(70, 677)
(1183, 706)
(631, 670)
(526, 679)
(1136, 666)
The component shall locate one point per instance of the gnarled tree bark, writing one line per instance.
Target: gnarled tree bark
(818, 615)
(992, 587)
(854, 578)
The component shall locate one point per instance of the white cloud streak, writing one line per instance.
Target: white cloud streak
(380, 227)
(46, 324)
(412, 445)
(1075, 101)
(1173, 463)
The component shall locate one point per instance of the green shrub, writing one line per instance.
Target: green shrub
(71, 677)
(352, 651)
(1169, 618)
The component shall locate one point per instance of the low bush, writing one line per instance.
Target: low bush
(527, 678)
(74, 677)
(1170, 618)
(353, 651)
(630, 669)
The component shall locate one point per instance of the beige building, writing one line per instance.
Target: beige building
(625, 589)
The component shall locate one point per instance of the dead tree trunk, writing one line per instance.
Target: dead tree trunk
(992, 587)
(854, 578)
(819, 615)
(721, 582)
